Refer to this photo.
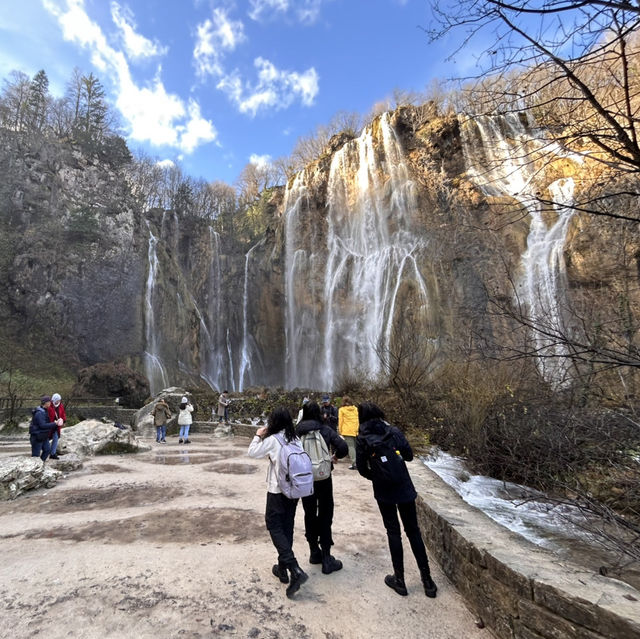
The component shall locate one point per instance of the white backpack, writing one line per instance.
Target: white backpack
(295, 477)
(316, 447)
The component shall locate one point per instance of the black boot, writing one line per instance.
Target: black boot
(330, 564)
(281, 573)
(315, 554)
(430, 587)
(396, 582)
(298, 577)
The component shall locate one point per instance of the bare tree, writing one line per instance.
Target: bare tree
(571, 64)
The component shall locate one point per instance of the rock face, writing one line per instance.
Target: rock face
(407, 228)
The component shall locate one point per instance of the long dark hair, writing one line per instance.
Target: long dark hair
(279, 420)
(311, 410)
(369, 410)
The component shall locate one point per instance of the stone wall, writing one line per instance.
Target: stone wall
(517, 589)
(114, 413)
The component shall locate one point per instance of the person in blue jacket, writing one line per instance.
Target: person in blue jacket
(40, 428)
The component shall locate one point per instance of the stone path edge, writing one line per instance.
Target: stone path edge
(517, 589)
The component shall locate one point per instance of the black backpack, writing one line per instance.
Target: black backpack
(384, 459)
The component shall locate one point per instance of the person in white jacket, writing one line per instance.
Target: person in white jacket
(185, 420)
(280, 511)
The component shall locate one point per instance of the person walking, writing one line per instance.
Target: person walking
(185, 420)
(318, 507)
(381, 452)
(223, 407)
(161, 414)
(40, 428)
(280, 511)
(56, 412)
(348, 424)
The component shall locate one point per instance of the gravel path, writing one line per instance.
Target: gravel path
(172, 543)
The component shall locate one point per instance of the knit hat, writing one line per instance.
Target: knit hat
(44, 399)
(305, 401)
(184, 400)
(56, 397)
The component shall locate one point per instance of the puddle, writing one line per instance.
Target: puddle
(123, 496)
(109, 468)
(191, 456)
(232, 469)
(167, 526)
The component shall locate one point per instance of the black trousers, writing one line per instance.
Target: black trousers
(409, 519)
(279, 516)
(318, 514)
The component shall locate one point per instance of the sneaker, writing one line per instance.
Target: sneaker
(187, 441)
(163, 441)
(180, 441)
(352, 467)
(53, 457)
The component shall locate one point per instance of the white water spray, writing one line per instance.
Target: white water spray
(343, 284)
(504, 156)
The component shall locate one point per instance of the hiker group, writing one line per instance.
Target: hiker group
(46, 423)
(301, 459)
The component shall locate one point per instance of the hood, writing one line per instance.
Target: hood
(307, 425)
(373, 427)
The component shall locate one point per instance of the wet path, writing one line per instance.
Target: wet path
(172, 543)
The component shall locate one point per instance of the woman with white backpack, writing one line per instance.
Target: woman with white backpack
(280, 513)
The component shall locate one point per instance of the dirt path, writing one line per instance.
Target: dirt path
(172, 543)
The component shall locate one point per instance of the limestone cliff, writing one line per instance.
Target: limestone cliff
(399, 227)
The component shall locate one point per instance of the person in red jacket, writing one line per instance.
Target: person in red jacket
(56, 412)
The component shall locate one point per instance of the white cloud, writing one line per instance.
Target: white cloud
(149, 112)
(260, 161)
(305, 11)
(215, 38)
(275, 88)
(165, 164)
(135, 44)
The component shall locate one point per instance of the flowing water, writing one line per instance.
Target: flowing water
(343, 279)
(154, 367)
(506, 156)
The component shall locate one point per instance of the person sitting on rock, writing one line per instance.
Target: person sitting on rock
(55, 412)
(40, 428)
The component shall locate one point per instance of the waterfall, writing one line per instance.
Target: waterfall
(506, 155)
(250, 354)
(213, 349)
(154, 368)
(343, 281)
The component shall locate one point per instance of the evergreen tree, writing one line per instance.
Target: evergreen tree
(37, 102)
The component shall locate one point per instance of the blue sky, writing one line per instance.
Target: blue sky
(213, 84)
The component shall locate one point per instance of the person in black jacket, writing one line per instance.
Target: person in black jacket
(40, 428)
(397, 496)
(318, 508)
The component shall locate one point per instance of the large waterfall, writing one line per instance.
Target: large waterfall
(344, 272)
(213, 350)
(507, 155)
(154, 368)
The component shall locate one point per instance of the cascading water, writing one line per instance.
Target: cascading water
(504, 156)
(343, 283)
(213, 350)
(250, 354)
(154, 368)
